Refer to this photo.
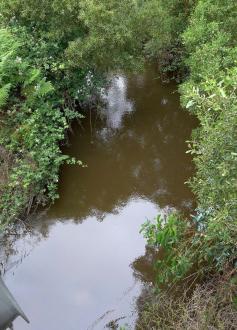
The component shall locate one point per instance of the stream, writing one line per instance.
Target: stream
(82, 264)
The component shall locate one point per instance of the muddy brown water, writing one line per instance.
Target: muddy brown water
(84, 264)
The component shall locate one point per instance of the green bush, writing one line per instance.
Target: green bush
(208, 241)
(54, 59)
(210, 93)
(31, 129)
(170, 235)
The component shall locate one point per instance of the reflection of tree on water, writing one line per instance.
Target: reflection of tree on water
(143, 267)
(16, 244)
(40, 230)
(142, 155)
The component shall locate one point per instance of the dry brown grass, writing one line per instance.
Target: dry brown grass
(211, 306)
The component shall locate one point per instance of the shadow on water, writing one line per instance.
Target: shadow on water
(85, 263)
(144, 156)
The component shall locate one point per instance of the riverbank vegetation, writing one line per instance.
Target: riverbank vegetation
(198, 250)
(54, 59)
(208, 307)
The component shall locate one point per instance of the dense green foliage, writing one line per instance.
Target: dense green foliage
(209, 92)
(204, 247)
(81, 34)
(54, 58)
(164, 22)
(169, 235)
(31, 128)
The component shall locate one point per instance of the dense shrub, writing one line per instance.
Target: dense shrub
(210, 93)
(54, 59)
(31, 129)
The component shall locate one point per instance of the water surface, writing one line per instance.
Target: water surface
(83, 263)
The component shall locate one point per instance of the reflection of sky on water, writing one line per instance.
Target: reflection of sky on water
(80, 272)
(117, 103)
(83, 263)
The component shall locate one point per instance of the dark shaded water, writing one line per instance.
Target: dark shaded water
(82, 264)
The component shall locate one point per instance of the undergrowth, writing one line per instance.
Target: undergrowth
(211, 305)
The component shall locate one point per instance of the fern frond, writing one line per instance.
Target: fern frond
(41, 89)
(7, 41)
(33, 76)
(44, 87)
(4, 93)
(5, 61)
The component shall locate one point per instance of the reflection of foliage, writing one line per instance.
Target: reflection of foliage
(187, 250)
(143, 267)
(11, 253)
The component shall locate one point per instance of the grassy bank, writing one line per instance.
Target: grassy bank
(206, 307)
